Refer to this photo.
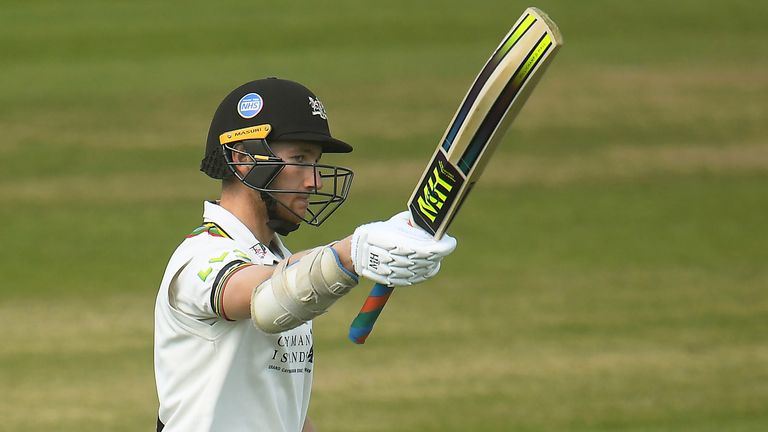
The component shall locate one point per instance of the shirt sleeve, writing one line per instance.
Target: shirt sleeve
(198, 289)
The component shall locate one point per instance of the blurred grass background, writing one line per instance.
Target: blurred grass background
(611, 270)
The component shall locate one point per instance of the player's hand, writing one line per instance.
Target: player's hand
(397, 253)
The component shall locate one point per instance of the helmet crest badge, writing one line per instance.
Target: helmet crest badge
(317, 108)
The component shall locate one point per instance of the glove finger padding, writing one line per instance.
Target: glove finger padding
(430, 272)
(395, 253)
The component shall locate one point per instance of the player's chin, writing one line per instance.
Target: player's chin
(298, 211)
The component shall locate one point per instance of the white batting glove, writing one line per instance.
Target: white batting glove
(397, 253)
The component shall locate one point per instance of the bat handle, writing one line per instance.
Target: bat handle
(363, 324)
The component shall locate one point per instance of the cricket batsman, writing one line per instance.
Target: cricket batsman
(233, 316)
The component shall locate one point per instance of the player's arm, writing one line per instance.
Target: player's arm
(278, 298)
(239, 289)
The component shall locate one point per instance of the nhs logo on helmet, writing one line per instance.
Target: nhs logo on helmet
(250, 105)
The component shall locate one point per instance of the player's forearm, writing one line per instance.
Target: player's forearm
(343, 249)
(237, 293)
(239, 289)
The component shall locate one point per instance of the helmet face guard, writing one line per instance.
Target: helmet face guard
(265, 166)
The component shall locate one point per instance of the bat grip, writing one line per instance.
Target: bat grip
(363, 324)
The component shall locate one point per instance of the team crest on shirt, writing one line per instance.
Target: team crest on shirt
(260, 250)
(317, 108)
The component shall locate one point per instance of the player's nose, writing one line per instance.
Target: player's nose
(314, 180)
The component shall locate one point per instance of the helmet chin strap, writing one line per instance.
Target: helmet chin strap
(275, 223)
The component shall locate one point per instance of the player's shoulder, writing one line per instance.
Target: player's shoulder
(209, 234)
(208, 230)
(206, 237)
(208, 246)
(210, 243)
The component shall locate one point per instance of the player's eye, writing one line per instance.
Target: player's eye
(303, 158)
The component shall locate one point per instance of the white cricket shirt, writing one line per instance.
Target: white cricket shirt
(213, 374)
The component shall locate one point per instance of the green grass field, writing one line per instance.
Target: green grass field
(611, 271)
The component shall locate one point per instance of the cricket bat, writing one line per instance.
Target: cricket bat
(492, 102)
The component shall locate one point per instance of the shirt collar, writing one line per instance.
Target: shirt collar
(213, 212)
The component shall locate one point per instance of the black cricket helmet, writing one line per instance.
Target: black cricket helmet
(268, 111)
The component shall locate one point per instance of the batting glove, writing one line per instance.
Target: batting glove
(397, 253)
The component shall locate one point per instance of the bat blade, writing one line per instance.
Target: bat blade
(492, 102)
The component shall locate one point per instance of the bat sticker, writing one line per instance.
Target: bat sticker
(438, 191)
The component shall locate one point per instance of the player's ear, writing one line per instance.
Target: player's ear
(240, 157)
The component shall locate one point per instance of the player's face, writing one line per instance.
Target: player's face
(295, 177)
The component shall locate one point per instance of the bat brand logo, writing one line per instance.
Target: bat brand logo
(435, 192)
(250, 105)
(438, 189)
(433, 198)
